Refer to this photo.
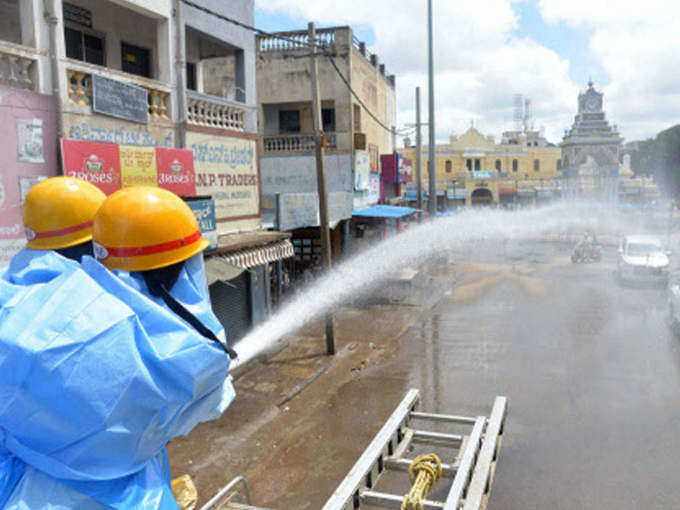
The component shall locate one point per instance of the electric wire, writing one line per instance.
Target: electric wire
(311, 45)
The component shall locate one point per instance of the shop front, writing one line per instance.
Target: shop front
(374, 224)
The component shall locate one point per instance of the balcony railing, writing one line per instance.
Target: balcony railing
(18, 66)
(294, 143)
(295, 40)
(213, 111)
(79, 83)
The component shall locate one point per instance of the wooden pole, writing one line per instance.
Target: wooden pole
(324, 227)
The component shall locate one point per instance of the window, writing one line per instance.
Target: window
(191, 76)
(468, 165)
(537, 165)
(83, 46)
(448, 166)
(135, 59)
(559, 164)
(477, 164)
(357, 118)
(289, 121)
(514, 165)
(498, 165)
(328, 120)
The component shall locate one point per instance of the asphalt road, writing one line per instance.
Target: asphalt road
(590, 368)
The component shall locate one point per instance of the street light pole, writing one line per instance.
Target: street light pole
(431, 163)
(419, 155)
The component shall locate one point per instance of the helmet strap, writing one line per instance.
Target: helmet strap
(158, 288)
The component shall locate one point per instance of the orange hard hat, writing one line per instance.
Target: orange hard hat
(143, 227)
(58, 212)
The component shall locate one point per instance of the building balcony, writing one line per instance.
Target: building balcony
(18, 66)
(297, 143)
(213, 111)
(79, 88)
(295, 40)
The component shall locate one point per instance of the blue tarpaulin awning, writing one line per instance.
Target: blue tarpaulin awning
(384, 211)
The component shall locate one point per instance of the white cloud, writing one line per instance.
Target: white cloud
(480, 63)
(636, 44)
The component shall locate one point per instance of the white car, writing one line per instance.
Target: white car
(642, 259)
(674, 307)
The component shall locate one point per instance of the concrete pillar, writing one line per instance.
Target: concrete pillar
(177, 36)
(35, 32)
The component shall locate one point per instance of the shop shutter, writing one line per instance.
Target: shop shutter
(231, 304)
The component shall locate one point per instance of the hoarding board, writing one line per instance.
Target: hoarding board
(120, 100)
(176, 171)
(110, 166)
(362, 170)
(138, 166)
(297, 174)
(204, 210)
(94, 162)
(300, 210)
(226, 169)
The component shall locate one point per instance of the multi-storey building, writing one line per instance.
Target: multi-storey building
(355, 139)
(473, 169)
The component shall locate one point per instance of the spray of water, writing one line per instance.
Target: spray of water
(444, 235)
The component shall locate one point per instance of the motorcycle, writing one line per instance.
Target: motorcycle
(586, 252)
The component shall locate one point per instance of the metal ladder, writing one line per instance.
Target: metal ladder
(472, 468)
(470, 471)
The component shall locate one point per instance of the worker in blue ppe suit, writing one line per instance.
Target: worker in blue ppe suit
(133, 358)
(58, 214)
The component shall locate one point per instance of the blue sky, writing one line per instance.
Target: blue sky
(569, 43)
(489, 49)
(272, 22)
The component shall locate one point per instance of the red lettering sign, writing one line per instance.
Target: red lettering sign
(95, 162)
(176, 170)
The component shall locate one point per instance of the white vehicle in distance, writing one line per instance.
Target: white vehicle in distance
(674, 307)
(642, 259)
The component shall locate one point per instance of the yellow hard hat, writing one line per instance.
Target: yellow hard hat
(58, 212)
(142, 227)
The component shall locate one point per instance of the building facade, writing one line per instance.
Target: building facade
(473, 169)
(590, 150)
(355, 140)
(136, 83)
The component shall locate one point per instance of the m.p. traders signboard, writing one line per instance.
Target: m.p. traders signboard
(226, 169)
(110, 166)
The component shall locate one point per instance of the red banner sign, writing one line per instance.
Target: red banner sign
(110, 166)
(95, 162)
(176, 170)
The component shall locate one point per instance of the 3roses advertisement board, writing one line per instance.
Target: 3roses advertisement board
(110, 166)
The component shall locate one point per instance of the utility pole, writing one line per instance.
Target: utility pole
(419, 156)
(432, 162)
(324, 228)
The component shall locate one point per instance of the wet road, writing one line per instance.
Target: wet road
(591, 371)
(590, 368)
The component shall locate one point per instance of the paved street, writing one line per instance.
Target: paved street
(592, 374)
(590, 368)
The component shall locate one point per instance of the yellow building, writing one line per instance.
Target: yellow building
(474, 168)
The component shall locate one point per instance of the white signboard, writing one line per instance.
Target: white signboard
(297, 174)
(362, 170)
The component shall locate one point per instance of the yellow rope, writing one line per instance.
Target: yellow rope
(424, 472)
